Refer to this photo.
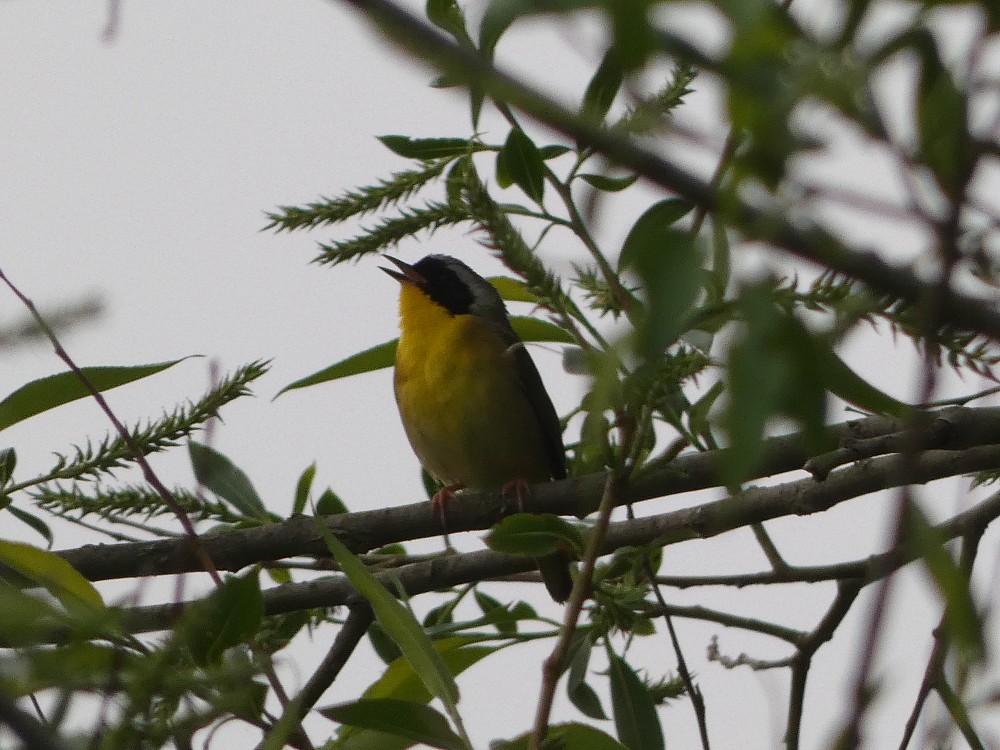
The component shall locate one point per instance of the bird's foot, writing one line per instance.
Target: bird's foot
(519, 489)
(441, 498)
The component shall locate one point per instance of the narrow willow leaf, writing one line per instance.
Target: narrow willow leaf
(428, 149)
(580, 693)
(941, 119)
(8, 461)
(230, 616)
(52, 573)
(26, 619)
(376, 358)
(603, 88)
(553, 150)
(330, 504)
(302, 488)
(400, 681)
(55, 390)
(500, 615)
(669, 264)
(570, 736)
(534, 534)
(533, 329)
(636, 720)
(447, 15)
(962, 620)
(416, 722)
(226, 480)
(855, 390)
(398, 623)
(32, 521)
(382, 644)
(520, 163)
(652, 229)
(512, 290)
(608, 184)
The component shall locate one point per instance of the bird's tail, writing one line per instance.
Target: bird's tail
(555, 574)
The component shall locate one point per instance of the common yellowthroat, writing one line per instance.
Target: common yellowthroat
(471, 400)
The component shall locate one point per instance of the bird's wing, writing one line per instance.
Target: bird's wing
(533, 387)
(541, 404)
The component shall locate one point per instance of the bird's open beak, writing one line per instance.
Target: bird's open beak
(409, 274)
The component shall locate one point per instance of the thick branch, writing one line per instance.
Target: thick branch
(367, 530)
(452, 570)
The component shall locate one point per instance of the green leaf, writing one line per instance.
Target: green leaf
(636, 720)
(779, 368)
(398, 623)
(962, 620)
(302, 488)
(520, 163)
(400, 681)
(414, 721)
(633, 34)
(230, 616)
(226, 480)
(8, 460)
(428, 149)
(447, 15)
(382, 644)
(55, 390)
(534, 534)
(941, 119)
(27, 620)
(855, 390)
(512, 290)
(330, 504)
(533, 329)
(580, 693)
(454, 183)
(70, 668)
(603, 88)
(52, 573)
(500, 615)
(570, 736)
(376, 358)
(553, 150)
(32, 521)
(652, 229)
(499, 15)
(669, 264)
(608, 184)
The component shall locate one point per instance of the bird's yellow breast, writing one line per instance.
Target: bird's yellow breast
(461, 401)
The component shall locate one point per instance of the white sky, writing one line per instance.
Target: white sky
(140, 171)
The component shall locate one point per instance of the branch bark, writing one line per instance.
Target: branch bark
(965, 440)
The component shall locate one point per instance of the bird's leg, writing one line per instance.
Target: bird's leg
(443, 496)
(519, 488)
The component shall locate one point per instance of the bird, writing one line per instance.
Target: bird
(470, 398)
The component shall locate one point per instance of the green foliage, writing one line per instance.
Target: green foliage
(534, 534)
(414, 721)
(690, 339)
(48, 393)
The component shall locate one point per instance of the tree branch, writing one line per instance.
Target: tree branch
(808, 242)
(975, 429)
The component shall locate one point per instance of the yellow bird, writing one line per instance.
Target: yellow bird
(471, 400)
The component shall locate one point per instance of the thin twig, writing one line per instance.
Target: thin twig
(350, 634)
(137, 454)
(692, 690)
(553, 667)
(33, 733)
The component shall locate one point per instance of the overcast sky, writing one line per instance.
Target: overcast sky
(138, 171)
